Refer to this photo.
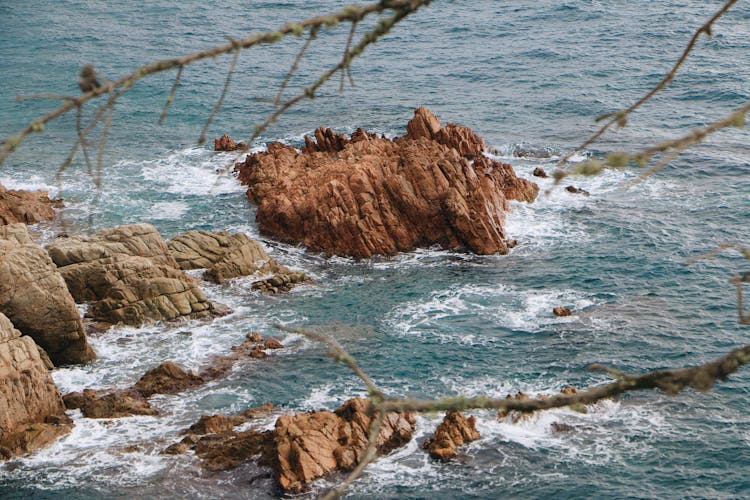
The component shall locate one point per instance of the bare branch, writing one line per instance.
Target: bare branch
(295, 64)
(345, 58)
(620, 117)
(224, 91)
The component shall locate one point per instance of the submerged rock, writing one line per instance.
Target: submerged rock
(227, 256)
(453, 431)
(28, 207)
(369, 195)
(311, 445)
(36, 299)
(576, 190)
(109, 404)
(539, 172)
(32, 413)
(129, 274)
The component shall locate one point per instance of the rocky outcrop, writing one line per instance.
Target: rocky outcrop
(539, 172)
(226, 256)
(311, 445)
(561, 311)
(577, 190)
(32, 414)
(129, 275)
(34, 296)
(453, 431)
(106, 404)
(367, 195)
(167, 378)
(28, 207)
(226, 143)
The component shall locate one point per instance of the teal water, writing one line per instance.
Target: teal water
(427, 323)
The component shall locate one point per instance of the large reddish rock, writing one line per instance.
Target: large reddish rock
(453, 431)
(32, 414)
(369, 195)
(28, 207)
(311, 445)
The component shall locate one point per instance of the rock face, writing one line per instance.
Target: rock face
(228, 256)
(34, 296)
(32, 413)
(367, 195)
(129, 274)
(453, 431)
(311, 445)
(28, 207)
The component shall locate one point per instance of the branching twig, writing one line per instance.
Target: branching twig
(345, 58)
(295, 64)
(620, 117)
(350, 13)
(170, 96)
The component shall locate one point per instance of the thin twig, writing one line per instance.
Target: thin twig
(620, 117)
(170, 96)
(295, 64)
(224, 91)
(23, 97)
(345, 57)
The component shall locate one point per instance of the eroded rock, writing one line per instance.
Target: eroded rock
(561, 311)
(32, 413)
(109, 404)
(167, 378)
(226, 143)
(28, 207)
(35, 297)
(453, 431)
(311, 445)
(369, 195)
(129, 275)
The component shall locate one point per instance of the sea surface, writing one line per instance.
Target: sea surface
(525, 76)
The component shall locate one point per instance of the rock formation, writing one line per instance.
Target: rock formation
(311, 445)
(367, 195)
(129, 274)
(32, 414)
(226, 143)
(28, 207)
(453, 431)
(561, 311)
(34, 296)
(226, 256)
(109, 404)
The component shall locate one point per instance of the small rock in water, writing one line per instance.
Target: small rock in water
(539, 172)
(561, 311)
(512, 243)
(575, 190)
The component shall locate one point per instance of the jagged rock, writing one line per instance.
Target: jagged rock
(167, 378)
(282, 282)
(226, 256)
(311, 445)
(226, 143)
(34, 296)
(251, 347)
(575, 190)
(129, 274)
(272, 343)
(512, 243)
(32, 414)
(539, 172)
(453, 431)
(561, 311)
(379, 196)
(113, 404)
(28, 207)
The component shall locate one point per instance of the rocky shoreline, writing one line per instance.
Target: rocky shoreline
(357, 196)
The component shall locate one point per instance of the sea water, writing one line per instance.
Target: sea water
(524, 76)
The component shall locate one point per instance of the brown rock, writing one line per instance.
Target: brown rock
(113, 404)
(539, 172)
(282, 282)
(254, 337)
(28, 207)
(575, 190)
(225, 256)
(129, 274)
(35, 298)
(380, 196)
(560, 427)
(167, 378)
(32, 414)
(311, 445)
(453, 431)
(272, 343)
(561, 311)
(226, 143)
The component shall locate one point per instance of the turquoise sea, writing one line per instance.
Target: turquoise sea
(525, 76)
